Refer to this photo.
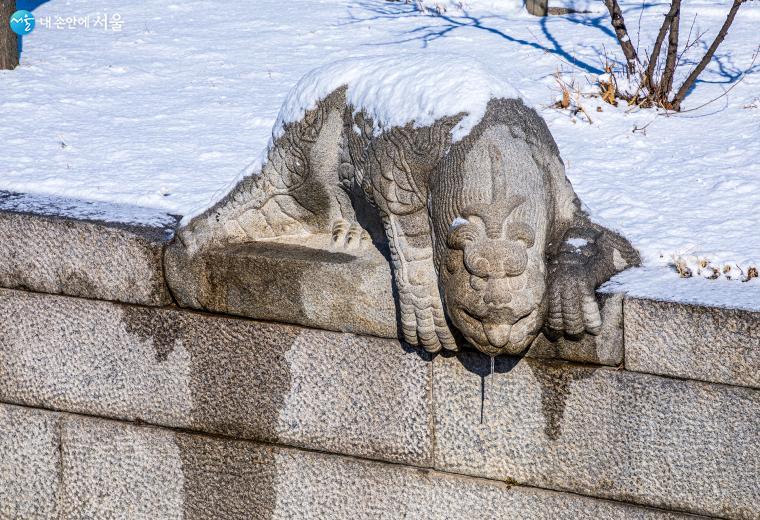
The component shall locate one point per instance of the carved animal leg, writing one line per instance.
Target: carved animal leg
(423, 320)
(587, 256)
(297, 191)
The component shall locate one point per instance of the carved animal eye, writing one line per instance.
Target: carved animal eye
(462, 235)
(477, 283)
(521, 231)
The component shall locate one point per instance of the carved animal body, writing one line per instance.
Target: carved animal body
(486, 236)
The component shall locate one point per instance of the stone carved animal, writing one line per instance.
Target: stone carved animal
(487, 238)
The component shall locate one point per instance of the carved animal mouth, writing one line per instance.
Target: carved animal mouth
(501, 336)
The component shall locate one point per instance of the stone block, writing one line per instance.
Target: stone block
(288, 283)
(673, 444)
(606, 348)
(92, 250)
(112, 470)
(29, 463)
(693, 342)
(328, 391)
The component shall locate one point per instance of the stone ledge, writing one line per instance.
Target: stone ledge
(109, 469)
(92, 250)
(669, 443)
(114, 252)
(289, 283)
(336, 392)
(693, 342)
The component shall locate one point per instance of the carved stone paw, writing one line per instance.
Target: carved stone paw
(423, 320)
(573, 308)
(348, 236)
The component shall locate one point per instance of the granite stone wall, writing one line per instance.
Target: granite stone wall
(115, 402)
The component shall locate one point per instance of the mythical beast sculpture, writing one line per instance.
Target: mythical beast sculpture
(486, 234)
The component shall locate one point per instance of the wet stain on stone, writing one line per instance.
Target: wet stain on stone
(162, 330)
(240, 383)
(240, 377)
(227, 479)
(556, 380)
(77, 283)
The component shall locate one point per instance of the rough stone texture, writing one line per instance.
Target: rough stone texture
(289, 283)
(485, 233)
(341, 291)
(112, 470)
(29, 463)
(675, 444)
(711, 344)
(49, 251)
(606, 348)
(336, 392)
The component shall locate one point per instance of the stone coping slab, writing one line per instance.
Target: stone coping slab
(342, 393)
(669, 443)
(693, 342)
(289, 283)
(79, 467)
(93, 250)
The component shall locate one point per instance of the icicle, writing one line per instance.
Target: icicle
(482, 397)
(483, 391)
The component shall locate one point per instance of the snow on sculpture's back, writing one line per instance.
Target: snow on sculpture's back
(487, 240)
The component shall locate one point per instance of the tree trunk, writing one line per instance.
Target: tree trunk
(537, 7)
(8, 41)
(621, 32)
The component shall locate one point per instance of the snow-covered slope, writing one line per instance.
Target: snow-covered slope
(168, 111)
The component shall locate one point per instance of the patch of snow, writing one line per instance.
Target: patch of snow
(658, 283)
(459, 221)
(463, 6)
(86, 210)
(398, 89)
(577, 242)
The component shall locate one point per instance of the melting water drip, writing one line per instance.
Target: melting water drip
(483, 391)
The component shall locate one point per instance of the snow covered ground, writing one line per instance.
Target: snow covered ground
(168, 110)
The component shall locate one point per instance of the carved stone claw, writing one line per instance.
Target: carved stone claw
(573, 308)
(423, 320)
(349, 236)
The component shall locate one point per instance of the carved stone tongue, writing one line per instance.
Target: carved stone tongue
(497, 333)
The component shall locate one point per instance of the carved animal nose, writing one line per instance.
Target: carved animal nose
(497, 292)
(497, 259)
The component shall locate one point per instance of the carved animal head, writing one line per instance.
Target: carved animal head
(493, 274)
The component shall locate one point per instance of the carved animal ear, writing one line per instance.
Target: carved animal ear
(521, 231)
(460, 236)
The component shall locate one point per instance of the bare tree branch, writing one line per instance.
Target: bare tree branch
(666, 23)
(671, 62)
(621, 32)
(681, 94)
